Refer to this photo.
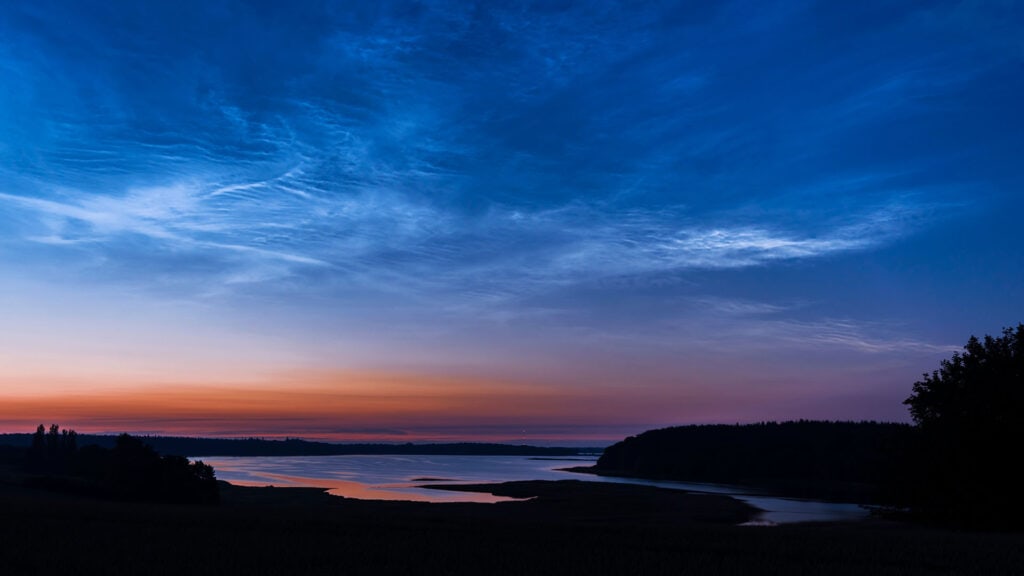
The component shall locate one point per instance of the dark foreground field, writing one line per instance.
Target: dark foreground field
(570, 528)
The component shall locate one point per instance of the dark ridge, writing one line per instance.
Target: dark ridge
(297, 447)
(849, 461)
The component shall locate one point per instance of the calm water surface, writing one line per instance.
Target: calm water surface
(391, 477)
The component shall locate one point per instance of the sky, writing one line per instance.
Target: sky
(550, 222)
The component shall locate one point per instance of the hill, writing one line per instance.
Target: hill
(852, 461)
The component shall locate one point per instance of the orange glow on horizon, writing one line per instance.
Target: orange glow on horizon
(362, 406)
(350, 406)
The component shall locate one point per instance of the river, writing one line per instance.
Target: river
(393, 477)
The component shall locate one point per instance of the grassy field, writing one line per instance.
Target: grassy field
(568, 528)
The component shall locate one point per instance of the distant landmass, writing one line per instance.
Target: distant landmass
(850, 461)
(295, 447)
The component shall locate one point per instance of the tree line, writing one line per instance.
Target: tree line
(956, 464)
(129, 470)
(298, 447)
(849, 461)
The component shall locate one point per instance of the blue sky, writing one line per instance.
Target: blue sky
(722, 212)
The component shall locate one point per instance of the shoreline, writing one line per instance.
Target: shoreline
(541, 500)
(589, 498)
(567, 527)
(785, 488)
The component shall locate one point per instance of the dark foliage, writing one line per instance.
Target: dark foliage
(131, 470)
(137, 472)
(855, 461)
(968, 414)
(53, 451)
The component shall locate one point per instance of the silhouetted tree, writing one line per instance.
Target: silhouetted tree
(69, 442)
(39, 439)
(131, 470)
(37, 452)
(139, 473)
(968, 414)
(53, 442)
(54, 451)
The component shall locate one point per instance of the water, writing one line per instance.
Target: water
(390, 477)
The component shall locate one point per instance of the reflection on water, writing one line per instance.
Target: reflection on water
(385, 477)
(350, 489)
(390, 477)
(785, 510)
(775, 510)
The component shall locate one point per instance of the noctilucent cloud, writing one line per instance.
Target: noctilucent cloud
(552, 222)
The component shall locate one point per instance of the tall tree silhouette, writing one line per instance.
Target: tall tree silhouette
(131, 470)
(968, 413)
(37, 452)
(53, 442)
(54, 451)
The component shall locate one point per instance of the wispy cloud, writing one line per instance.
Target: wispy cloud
(841, 334)
(608, 193)
(467, 159)
(584, 242)
(709, 325)
(170, 215)
(389, 237)
(404, 154)
(795, 325)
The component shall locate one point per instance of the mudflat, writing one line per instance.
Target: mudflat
(564, 527)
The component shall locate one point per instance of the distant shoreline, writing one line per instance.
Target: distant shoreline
(231, 447)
